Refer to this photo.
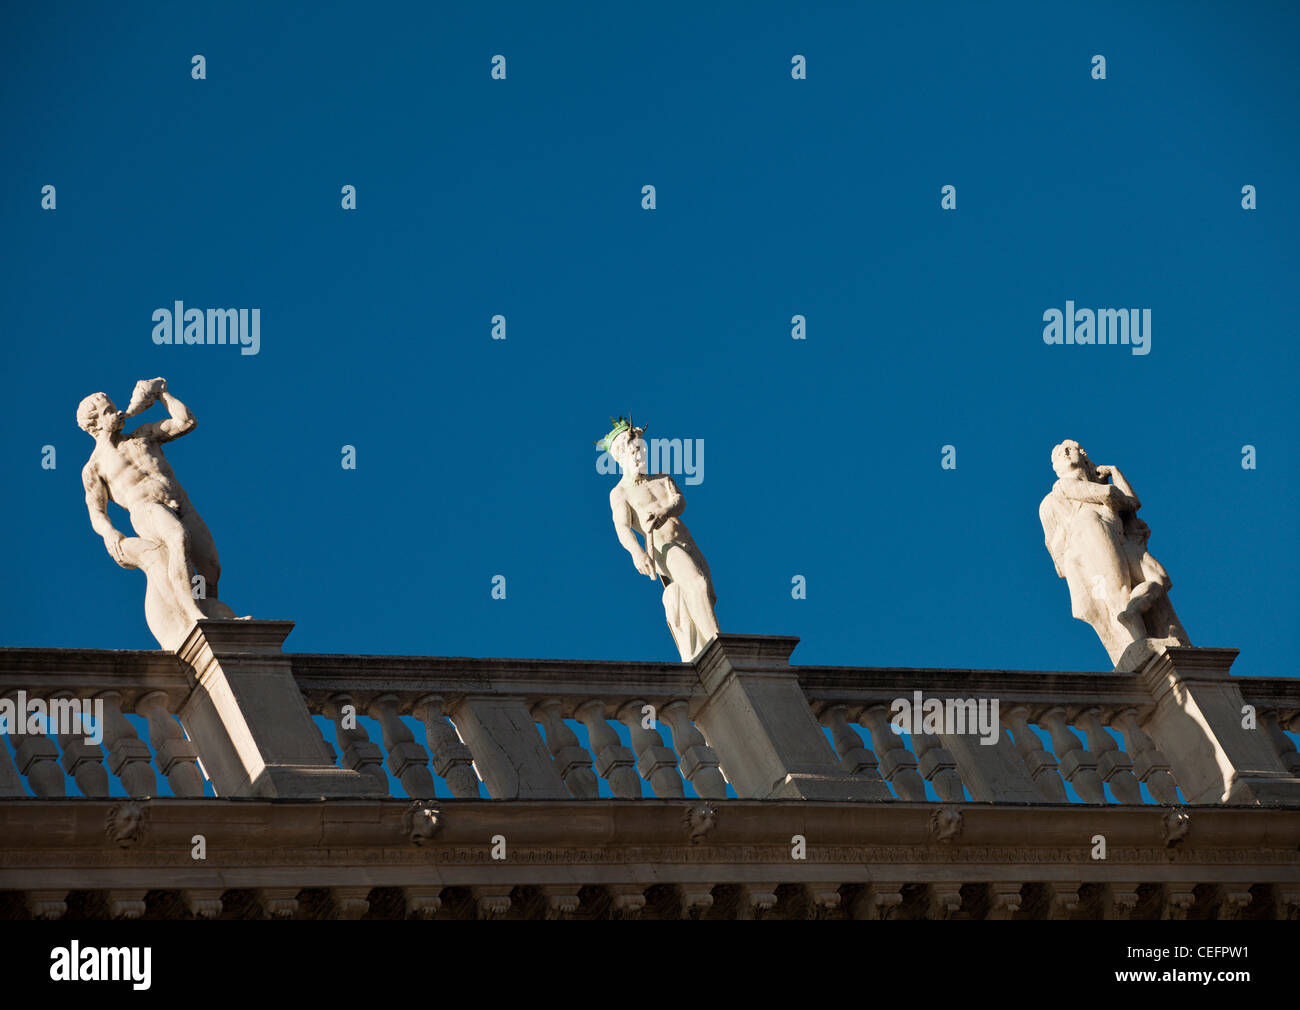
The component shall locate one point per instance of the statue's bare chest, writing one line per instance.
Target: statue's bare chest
(648, 495)
(132, 456)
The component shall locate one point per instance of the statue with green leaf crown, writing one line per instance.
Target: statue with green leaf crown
(652, 504)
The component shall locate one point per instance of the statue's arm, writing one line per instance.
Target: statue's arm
(97, 506)
(622, 513)
(1121, 482)
(1092, 493)
(1051, 533)
(676, 505)
(181, 422)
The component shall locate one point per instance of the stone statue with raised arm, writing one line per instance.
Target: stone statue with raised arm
(651, 504)
(172, 544)
(1099, 546)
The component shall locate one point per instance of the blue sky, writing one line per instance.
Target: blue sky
(774, 197)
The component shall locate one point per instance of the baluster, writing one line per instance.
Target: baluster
(855, 759)
(360, 753)
(571, 761)
(615, 763)
(407, 760)
(83, 760)
(451, 758)
(1042, 767)
(1114, 766)
(1077, 765)
(176, 755)
(11, 783)
(897, 763)
(1150, 765)
(698, 761)
(656, 763)
(128, 755)
(939, 767)
(38, 759)
(1281, 742)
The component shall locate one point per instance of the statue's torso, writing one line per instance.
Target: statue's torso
(137, 473)
(656, 495)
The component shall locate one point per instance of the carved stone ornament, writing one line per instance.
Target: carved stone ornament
(699, 821)
(421, 821)
(945, 824)
(125, 824)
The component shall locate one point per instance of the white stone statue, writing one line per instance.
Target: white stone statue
(172, 545)
(1099, 546)
(651, 504)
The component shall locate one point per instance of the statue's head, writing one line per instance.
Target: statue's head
(626, 445)
(1070, 460)
(96, 414)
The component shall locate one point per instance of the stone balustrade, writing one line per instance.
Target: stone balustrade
(1046, 744)
(1062, 737)
(532, 729)
(740, 722)
(148, 754)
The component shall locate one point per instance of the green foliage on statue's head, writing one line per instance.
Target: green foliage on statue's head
(621, 424)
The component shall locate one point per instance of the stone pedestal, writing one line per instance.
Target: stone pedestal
(248, 719)
(1197, 724)
(759, 721)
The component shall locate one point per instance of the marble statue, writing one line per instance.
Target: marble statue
(651, 504)
(172, 545)
(1099, 546)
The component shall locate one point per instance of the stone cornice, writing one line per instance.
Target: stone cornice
(848, 842)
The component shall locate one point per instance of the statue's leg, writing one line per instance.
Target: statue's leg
(696, 591)
(675, 612)
(1150, 599)
(1148, 592)
(203, 551)
(708, 580)
(157, 522)
(168, 625)
(1102, 548)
